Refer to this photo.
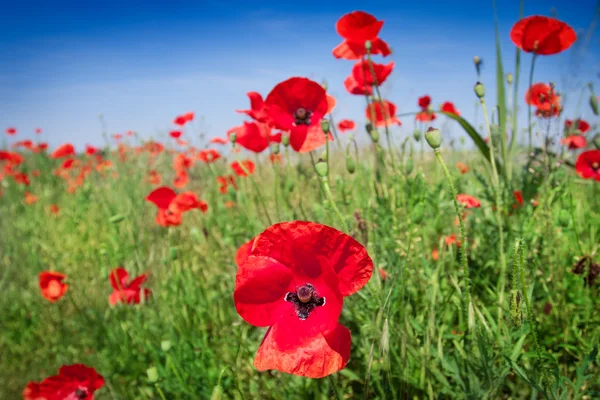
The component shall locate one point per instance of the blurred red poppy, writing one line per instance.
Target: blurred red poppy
(425, 116)
(542, 35)
(244, 168)
(91, 150)
(21, 178)
(124, 290)
(358, 26)
(63, 150)
(224, 182)
(154, 177)
(451, 239)
(162, 198)
(350, 50)
(208, 155)
(183, 119)
(186, 201)
(73, 382)
(331, 102)
(545, 99)
(295, 280)
(28, 144)
(11, 131)
(12, 157)
(117, 136)
(346, 125)
(361, 72)
(448, 107)
(424, 101)
(468, 201)
(435, 254)
(253, 136)
(295, 105)
(578, 126)
(463, 168)
(353, 87)
(588, 165)
(54, 209)
(52, 286)
(219, 140)
(574, 142)
(382, 116)
(257, 108)
(518, 196)
(181, 179)
(175, 134)
(30, 198)
(38, 130)
(182, 161)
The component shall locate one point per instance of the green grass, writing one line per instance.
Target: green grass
(407, 331)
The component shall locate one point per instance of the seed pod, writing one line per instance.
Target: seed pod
(274, 147)
(410, 165)
(285, 140)
(152, 374)
(417, 135)
(509, 78)
(350, 164)
(233, 137)
(479, 90)
(325, 126)
(322, 168)
(434, 138)
(594, 104)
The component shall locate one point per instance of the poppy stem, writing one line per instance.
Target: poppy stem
(332, 203)
(463, 235)
(334, 388)
(275, 188)
(258, 192)
(529, 102)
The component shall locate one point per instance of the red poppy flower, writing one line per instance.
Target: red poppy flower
(346, 125)
(183, 119)
(52, 286)
(547, 101)
(189, 116)
(257, 108)
(314, 139)
(468, 201)
(42, 146)
(30, 198)
(353, 87)
(294, 281)
(208, 155)
(162, 198)
(451, 239)
(244, 169)
(54, 209)
(219, 140)
(350, 50)
(588, 165)
(243, 252)
(252, 136)
(154, 148)
(117, 136)
(574, 142)
(63, 150)
(28, 144)
(11, 131)
(542, 35)
(38, 130)
(130, 133)
(331, 102)
(435, 254)
(295, 105)
(361, 72)
(181, 179)
(518, 196)
(577, 125)
(91, 150)
(21, 178)
(358, 26)
(72, 382)
(182, 161)
(175, 134)
(424, 101)
(186, 201)
(463, 168)
(154, 178)
(35, 172)
(224, 182)
(124, 290)
(449, 108)
(11, 157)
(68, 163)
(383, 116)
(425, 116)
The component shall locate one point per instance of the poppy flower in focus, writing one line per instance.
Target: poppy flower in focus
(175, 134)
(353, 87)
(124, 290)
(361, 72)
(574, 142)
(244, 168)
(463, 168)
(542, 35)
(518, 197)
(219, 140)
(346, 125)
(52, 286)
(208, 155)
(11, 131)
(358, 26)
(257, 108)
(578, 126)
(73, 382)
(468, 201)
(252, 136)
(63, 150)
(294, 281)
(295, 105)
(54, 209)
(350, 50)
(588, 165)
(30, 198)
(448, 107)
(382, 116)
(545, 99)
(243, 252)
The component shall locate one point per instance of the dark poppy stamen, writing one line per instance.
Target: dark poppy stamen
(302, 116)
(305, 300)
(596, 165)
(81, 393)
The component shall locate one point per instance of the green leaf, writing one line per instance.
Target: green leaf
(500, 88)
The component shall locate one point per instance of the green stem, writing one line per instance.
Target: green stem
(332, 203)
(463, 235)
(336, 393)
(529, 105)
(276, 188)
(256, 188)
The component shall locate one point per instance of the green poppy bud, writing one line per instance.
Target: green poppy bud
(479, 90)
(152, 374)
(368, 45)
(285, 140)
(594, 104)
(434, 138)
(325, 126)
(597, 141)
(509, 78)
(232, 137)
(165, 345)
(410, 165)
(172, 253)
(322, 168)
(350, 164)
(417, 135)
(274, 147)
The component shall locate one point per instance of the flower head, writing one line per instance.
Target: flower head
(124, 290)
(542, 35)
(588, 165)
(72, 382)
(52, 286)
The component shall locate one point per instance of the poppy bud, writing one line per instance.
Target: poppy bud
(417, 135)
(477, 60)
(594, 104)
(564, 218)
(165, 345)
(285, 140)
(418, 213)
(172, 253)
(324, 85)
(322, 168)
(217, 393)
(274, 147)
(325, 126)
(434, 138)
(479, 90)
(323, 155)
(350, 164)
(368, 45)
(509, 78)
(152, 374)
(233, 137)
(115, 219)
(410, 165)
(597, 141)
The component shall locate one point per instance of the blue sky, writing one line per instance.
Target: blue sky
(142, 63)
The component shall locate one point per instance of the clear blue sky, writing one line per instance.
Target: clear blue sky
(142, 63)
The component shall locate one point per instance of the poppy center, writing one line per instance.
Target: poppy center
(80, 393)
(596, 165)
(305, 299)
(54, 288)
(302, 116)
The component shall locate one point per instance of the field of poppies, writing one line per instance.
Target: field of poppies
(300, 256)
